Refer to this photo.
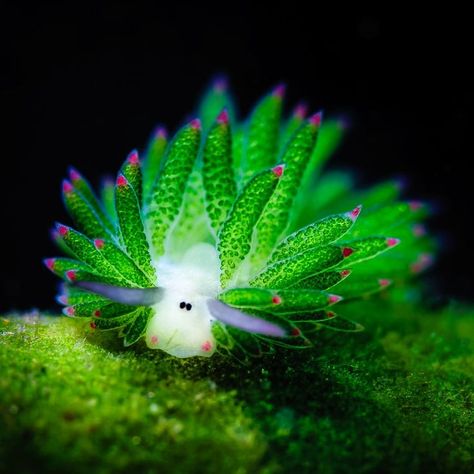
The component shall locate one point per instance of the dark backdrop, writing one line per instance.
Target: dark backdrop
(84, 85)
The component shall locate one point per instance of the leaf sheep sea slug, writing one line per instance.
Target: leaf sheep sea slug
(229, 237)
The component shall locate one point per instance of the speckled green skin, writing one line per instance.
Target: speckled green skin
(396, 398)
(217, 174)
(167, 195)
(132, 228)
(235, 236)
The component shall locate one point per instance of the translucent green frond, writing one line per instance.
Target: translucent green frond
(217, 172)
(167, 195)
(153, 161)
(235, 235)
(261, 139)
(131, 226)
(214, 100)
(136, 328)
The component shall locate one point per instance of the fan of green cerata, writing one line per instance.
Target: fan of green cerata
(230, 237)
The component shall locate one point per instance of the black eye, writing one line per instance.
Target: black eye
(182, 305)
(189, 306)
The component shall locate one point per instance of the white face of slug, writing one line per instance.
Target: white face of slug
(182, 323)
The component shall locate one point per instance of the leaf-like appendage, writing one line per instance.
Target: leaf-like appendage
(136, 329)
(152, 161)
(278, 301)
(341, 324)
(97, 309)
(322, 232)
(276, 216)
(217, 171)
(123, 264)
(214, 100)
(82, 212)
(291, 126)
(261, 140)
(85, 251)
(107, 197)
(167, 195)
(291, 270)
(131, 170)
(131, 226)
(370, 247)
(322, 281)
(235, 235)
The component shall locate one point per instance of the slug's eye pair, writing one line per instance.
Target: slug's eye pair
(183, 305)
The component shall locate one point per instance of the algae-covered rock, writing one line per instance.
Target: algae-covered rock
(395, 398)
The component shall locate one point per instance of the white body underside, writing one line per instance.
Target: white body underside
(178, 331)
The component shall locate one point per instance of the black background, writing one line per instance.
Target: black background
(83, 85)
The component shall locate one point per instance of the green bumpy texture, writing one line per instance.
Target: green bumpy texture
(284, 230)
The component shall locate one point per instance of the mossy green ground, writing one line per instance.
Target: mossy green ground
(395, 398)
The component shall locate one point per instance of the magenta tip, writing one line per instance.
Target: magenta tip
(160, 132)
(415, 205)
(278, 170)
(333, 299)
(62, 299)
(347, 251)
(419, 230)
(384, 282)
(74, 174)
(279, 91)
(71, 275)
(345, 273)
(276, 299)
(223, 117)
(49, 263)
(133, 158)
(62, 229)
(68, 311)
(195, 124)
(316, 119)
(392, 241)
(122, 180)
(220, 84)
(300, 111)
(354, 214)
(99, 243)
(67, 187)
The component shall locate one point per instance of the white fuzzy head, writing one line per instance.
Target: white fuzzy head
(182, 324)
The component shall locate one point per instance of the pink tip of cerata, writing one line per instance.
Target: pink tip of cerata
(62, 299)
(300, 111)
(67, 187)
(384, 282)
(160, 132)
(93, 325)
(419, 230)
(195, 124)
(392, 242)
(423, 261)
(154, 340)
(97, 313)
(346, 251)
(345, 273)
(334, 299)
(296, 332)
(354, 214)
(220, 84)
(415, 205)
(99, 243)
(206, 346)
(122, 180)
(330, 314)
(133, 158)
(223, 117)
(69, 311)
(316, 119)
(279, 91)
(49, 262)
(62, 230)
(276, 299)
(71, 275)
(74, 174)
(278, 170)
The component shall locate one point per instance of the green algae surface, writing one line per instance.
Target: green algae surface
(397, 397)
